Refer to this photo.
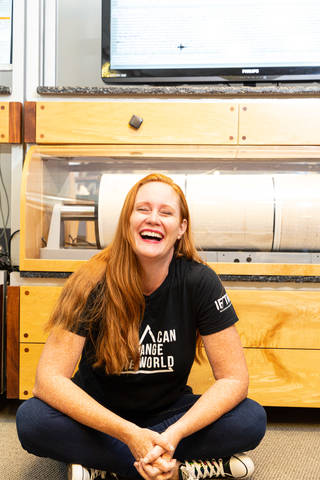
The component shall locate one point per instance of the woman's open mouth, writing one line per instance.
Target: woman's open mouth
(151, 235)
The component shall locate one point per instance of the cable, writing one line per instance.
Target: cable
(11, 237)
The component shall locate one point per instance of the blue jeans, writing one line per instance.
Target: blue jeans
(46, 432)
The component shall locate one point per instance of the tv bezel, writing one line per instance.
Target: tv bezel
(244, 74)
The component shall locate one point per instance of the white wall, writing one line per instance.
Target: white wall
(78, 43)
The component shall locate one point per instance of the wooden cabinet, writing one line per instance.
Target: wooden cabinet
(279, 322)
(186, 122)
(279, 330)
(51, 175)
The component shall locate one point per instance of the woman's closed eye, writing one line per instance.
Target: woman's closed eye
(143, 209)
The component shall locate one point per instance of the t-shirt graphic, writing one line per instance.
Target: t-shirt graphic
(223, 303)
(153, 358)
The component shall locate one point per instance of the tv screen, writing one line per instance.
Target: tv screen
(182, 41)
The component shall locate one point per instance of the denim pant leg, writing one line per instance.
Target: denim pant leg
(47, 432)
(239, 430)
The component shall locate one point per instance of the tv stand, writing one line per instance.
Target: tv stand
(212, 90)
(249, 84)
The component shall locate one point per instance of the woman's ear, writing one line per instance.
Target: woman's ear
(183, 228)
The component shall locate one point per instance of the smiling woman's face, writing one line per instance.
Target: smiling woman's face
(155, 222)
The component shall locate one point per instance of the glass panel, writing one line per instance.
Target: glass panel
(248, 209)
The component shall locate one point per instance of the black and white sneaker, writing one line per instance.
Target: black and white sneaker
(236, 466)
(78, 472)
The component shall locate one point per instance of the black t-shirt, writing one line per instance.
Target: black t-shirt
(190, 298)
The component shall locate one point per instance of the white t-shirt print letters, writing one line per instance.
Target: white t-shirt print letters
(152, 356)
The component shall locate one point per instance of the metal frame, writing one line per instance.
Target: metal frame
(17, 95)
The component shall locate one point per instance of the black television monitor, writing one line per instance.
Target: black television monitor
(205, 41)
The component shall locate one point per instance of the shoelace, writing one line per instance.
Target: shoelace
(97, 473)
(200, 469)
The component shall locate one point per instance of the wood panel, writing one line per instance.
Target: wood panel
(278, 377)
(12, 316)
(226, 152)
(278, 318)
(4, 122)
(268, 318)
(276, 269)
(163, 122)
(15, 119)
(29, 124)
(43, 265)
(36, 305)
(280, 122)
(29, 358)
(284, 378)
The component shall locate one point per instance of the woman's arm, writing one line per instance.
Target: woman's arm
(54, 386)
(226, 357)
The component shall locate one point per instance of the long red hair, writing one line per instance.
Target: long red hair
(113, 278)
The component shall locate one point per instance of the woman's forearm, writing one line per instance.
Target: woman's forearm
(63, 394)
(221, 397)
(54, 386)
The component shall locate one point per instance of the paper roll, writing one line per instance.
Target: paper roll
(112, 193)
(231, 212)
(297, 216)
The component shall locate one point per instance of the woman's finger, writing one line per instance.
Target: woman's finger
(147, 471)
(158, 451)
(165, 464)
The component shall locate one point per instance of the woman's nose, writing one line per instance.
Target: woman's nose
(153, 217)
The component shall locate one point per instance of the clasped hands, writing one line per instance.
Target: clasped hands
(153, 453)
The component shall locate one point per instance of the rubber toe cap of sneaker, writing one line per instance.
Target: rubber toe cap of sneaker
(241, 466)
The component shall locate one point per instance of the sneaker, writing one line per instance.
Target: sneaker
(78, 472)
(237, 466)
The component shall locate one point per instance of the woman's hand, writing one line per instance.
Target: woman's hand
(158, 464)
(169, 437)
(142, 441)
(163, 468)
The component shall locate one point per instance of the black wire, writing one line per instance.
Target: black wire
(11, 237)
(13, 234)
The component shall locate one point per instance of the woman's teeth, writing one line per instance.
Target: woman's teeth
(151, 235)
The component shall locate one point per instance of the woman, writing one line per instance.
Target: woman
(134, 314)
